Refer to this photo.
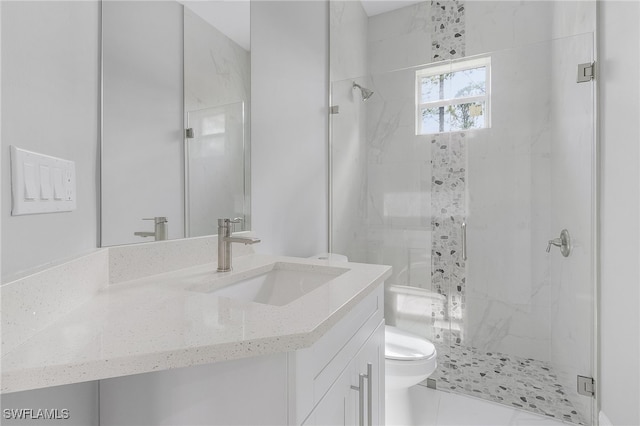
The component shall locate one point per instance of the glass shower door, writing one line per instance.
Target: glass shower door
(512, 323)
(528, 311)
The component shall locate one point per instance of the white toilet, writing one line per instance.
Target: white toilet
(409, 359)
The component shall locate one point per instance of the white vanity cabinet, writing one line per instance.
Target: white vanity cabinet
(327, 386)
(357, 396)
(311, 386)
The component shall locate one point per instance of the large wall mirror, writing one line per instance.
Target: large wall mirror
(175, 118)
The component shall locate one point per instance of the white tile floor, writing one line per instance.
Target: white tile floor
(428, 407)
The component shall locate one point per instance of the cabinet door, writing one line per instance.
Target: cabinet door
(370, 361)
(343, 403)
(339, 404)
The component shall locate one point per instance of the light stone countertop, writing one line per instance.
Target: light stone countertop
(163, 322)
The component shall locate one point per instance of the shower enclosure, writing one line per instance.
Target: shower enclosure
(461, 171)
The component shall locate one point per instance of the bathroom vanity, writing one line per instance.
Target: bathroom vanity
(311, 386)
(278, 340)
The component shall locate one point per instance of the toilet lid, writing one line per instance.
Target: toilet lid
(403, 346)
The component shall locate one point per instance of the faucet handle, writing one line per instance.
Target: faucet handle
(234, 221)
(226, 222)
(556, 242)
(157, 219)
(564, 242)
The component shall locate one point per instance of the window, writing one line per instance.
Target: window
(453, 97)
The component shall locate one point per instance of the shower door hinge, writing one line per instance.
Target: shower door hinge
(586, 386)
(334, 109)
(586, 72)
(188, 133)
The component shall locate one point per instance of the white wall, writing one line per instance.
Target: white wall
(50, 104)
(619, 77)
(289, 74)
(142, 110)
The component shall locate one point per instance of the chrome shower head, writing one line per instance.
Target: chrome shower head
(366, 93)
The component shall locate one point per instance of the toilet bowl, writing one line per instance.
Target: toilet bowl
(409, 359)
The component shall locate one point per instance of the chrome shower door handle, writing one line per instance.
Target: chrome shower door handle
(463, 227)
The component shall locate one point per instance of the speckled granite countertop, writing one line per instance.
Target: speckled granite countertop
(167, 321)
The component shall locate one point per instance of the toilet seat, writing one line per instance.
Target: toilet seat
(402, 346)
(409, 359)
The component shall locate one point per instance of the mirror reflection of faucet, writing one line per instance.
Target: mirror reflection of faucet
(160, 231)
(225, 228)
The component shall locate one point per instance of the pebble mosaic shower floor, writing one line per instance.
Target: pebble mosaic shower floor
(517, 382)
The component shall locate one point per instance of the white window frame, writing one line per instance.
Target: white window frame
(450, 67)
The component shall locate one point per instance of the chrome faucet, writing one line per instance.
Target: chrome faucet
(225, 227)
(160, 229)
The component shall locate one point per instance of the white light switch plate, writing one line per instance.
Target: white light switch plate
(41, 183)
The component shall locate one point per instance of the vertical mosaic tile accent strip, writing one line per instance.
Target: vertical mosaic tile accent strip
(448, 187)
(447, 18)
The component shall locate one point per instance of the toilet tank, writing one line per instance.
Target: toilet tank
(415, 309)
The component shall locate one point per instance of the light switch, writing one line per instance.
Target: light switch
(30, 192)
(45, 183)
(58, 185)
(41, 183)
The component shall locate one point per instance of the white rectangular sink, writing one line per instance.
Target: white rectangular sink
(281, 285)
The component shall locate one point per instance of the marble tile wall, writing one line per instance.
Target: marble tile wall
(400, 38)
